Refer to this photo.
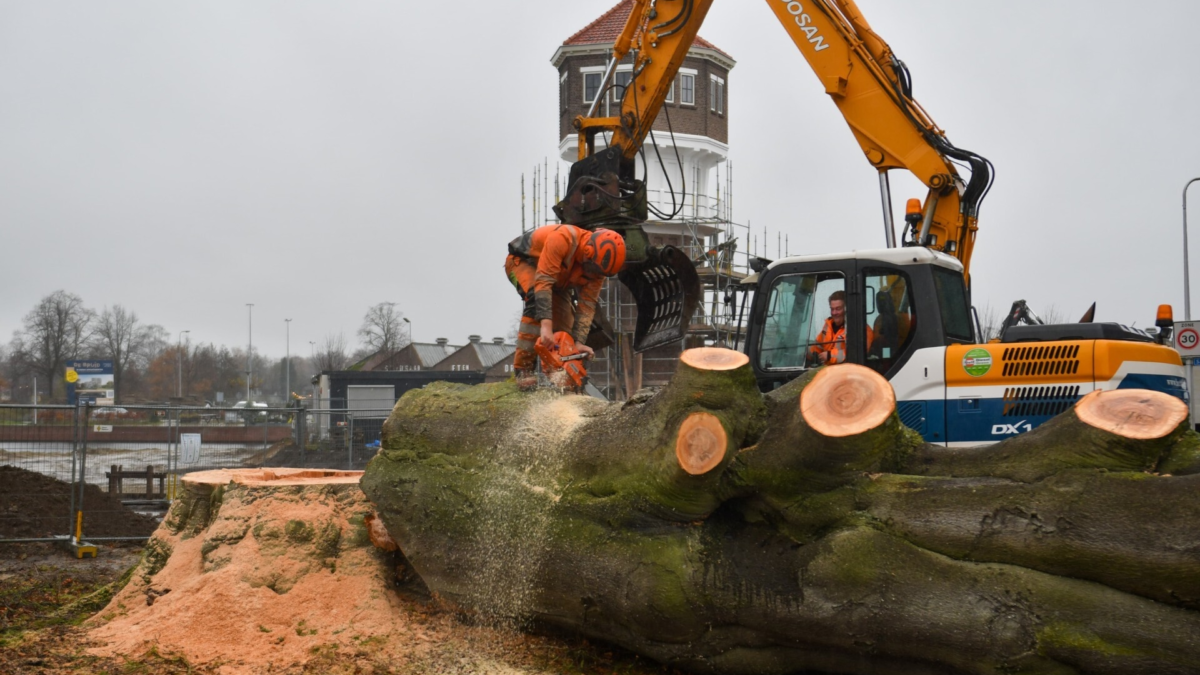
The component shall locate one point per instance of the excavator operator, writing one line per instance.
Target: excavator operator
(548, 266)
(830, 346)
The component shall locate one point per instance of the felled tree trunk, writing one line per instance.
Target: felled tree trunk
(719, 530)
(256, 567)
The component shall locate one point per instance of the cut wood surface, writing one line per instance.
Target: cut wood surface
(1132, 413)
(275, 476)
(714, 358)
(700, 446)
(847, 400)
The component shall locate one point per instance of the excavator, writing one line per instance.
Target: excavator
(907, 307)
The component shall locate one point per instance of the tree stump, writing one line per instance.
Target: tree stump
(718, 530)
(257, 566)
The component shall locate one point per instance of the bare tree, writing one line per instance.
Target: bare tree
(1053, 315)
(381, 329)
(119, 336)
(55, 330)
(332, 354)
(990, 321)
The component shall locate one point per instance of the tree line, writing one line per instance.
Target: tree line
(151, 367)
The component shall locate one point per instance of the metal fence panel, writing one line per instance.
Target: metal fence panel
(120, 465)
(37, 455)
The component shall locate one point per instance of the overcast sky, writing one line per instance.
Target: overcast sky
(315, 158)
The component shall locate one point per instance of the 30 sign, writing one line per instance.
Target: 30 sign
(1187, 338)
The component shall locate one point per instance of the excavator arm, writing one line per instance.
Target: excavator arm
(873, 91)
(603, 190)
(857, 68)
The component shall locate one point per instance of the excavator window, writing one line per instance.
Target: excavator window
(952, 300)
(797, 308)
(891, 318)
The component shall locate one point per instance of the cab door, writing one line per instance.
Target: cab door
(904, 337)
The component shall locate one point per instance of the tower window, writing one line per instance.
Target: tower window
(687, 89)
(591, 86)
(620, 82)
(716, 95)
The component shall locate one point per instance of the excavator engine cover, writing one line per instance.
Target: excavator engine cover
(666, 289)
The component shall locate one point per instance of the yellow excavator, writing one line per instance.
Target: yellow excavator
(907, 307)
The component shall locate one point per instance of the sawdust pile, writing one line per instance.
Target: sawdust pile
(280, 574)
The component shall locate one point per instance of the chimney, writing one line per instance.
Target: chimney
(498, 341)
(474, 339)
(442, 342)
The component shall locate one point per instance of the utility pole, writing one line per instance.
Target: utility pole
(249, 349)
(313, 352)
(287, 396)
(1187, 289)
(179, 358)
(1190, 364)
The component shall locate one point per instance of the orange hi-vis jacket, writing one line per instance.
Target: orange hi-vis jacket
(557, 253)
(832, 340)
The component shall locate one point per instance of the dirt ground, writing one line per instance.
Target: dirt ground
(45, 595)
(33, 505)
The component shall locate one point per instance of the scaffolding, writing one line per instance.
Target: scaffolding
(705, 230)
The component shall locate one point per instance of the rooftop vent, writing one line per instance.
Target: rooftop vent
(498, 341)
(474, 339)
(443, 341)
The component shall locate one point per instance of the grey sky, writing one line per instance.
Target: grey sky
(315, 158)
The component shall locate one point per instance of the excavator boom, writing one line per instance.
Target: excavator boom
(857, 68)
(873, 91)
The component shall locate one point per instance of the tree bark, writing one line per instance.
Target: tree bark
(719, 530)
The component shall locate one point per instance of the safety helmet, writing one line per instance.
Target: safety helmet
(604, 253)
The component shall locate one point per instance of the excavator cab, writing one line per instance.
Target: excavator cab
(893, 303)
(604, 193)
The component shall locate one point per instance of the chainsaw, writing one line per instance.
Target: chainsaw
(563, 362)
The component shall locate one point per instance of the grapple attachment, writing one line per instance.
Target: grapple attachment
(666, 289)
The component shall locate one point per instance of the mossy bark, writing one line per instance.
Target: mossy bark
(1062, 443)
(797, 551)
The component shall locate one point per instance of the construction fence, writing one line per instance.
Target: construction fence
(109, 473)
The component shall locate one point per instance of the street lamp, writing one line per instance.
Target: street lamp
(1187, 290)
(288, 368)
(179, 357)
(410, 337)
(249, 349)
(1187, 300)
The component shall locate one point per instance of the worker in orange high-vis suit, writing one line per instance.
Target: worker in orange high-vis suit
(830, 345)
(558, 271)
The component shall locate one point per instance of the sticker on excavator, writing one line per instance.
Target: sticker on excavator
(666, 289)
(977, 362)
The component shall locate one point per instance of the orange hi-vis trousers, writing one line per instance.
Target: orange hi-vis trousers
(521, 273)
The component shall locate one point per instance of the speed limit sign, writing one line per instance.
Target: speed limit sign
(1187, 338)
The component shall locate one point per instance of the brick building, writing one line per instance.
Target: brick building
(698, 107)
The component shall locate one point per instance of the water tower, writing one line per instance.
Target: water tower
(688, 185)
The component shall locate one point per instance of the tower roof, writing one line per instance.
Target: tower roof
(607, 28)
